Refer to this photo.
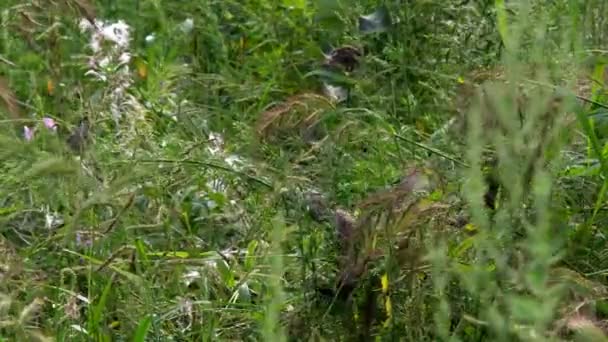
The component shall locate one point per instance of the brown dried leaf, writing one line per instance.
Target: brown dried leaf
(10, 262)
(71, 308)
(284, 115)
(579, 285)
(31, 311)
(9, 99)
(583, 326)
(345, 228)
(394, 197)
(86, 9)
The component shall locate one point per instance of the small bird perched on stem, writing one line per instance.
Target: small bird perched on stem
(77, 140)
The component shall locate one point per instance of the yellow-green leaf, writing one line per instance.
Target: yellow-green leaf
(384, 281)
(501, 21)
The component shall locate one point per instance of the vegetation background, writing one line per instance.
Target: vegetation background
(303, 170)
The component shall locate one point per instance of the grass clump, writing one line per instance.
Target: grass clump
(295, 170)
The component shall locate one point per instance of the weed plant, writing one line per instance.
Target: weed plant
(303, 170)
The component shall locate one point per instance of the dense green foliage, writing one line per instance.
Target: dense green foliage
(303, 170)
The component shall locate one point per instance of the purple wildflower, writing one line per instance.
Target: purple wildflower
(28, 133)
(50, 123)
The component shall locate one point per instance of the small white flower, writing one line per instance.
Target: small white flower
(117, 33)
(187, 25)
(150, 38)
(234, 160)
(96, 74)
(115, 110)
(216, 143)
(211, 204)
(336, 93)
(84, 25)
(119, 90)
(95, 43)
(190, 277)
(124, 58)
(52, 220)
(216, 137)
(79, 328)
(104, 62)
(83, 299)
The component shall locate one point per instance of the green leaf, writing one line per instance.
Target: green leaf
(596, 148)
(464, 246)
(141, 252)
(250, 258)
(226, 274)
(244, 293)
(501, 22)
(326, 15)
(526, 309)
(598, 87)
(299, 4)
(55, 166)
(8, 210)
(174, 254)
(331, 77)
(97, 313)
(142, 329)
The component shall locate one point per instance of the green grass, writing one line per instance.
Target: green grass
(218, 193)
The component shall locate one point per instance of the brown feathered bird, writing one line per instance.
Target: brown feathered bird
(346, 57)
(77, 140)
